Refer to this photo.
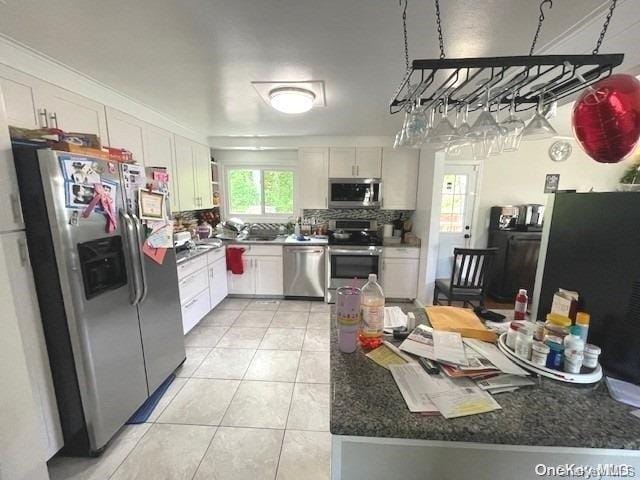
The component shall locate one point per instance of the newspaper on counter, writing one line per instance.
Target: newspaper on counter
(420, 342)
(504, 381)
(412, 383)
(387, 354)
(448, 348)
(495, 356)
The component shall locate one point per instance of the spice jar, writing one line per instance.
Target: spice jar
(539, 331)
(539, 354)
(591, 354)
(524, 340)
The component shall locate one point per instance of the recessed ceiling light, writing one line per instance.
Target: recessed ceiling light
(291, 99)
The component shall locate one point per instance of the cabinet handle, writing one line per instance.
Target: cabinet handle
(42, 113)
(16, 208)
(353, 169)
(191, 303)
(358, 170)
(22, 250)
(54, 119)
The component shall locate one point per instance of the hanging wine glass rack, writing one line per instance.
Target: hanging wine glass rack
(465, 81)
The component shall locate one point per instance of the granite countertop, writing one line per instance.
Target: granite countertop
(186, 255)
(366, 402)
(280, 240)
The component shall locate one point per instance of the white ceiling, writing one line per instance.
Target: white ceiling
(194, 60)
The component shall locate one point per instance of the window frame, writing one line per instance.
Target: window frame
(276, 217)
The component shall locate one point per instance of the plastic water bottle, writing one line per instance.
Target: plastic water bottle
(372, 307)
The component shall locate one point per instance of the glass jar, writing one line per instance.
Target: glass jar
(511, 334)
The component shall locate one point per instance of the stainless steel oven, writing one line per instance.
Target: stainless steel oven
(354, 192)
(350, 265)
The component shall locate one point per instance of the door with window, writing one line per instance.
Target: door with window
(458, 192)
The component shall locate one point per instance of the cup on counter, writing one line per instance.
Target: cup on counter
(348, 317)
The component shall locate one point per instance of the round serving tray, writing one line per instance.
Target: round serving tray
(584, 378)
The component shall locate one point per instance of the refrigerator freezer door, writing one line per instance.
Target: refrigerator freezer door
(97, 334)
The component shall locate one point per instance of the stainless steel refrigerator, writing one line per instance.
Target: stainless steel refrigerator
(111, 315)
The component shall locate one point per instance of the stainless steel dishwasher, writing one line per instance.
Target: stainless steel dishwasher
(304, 271)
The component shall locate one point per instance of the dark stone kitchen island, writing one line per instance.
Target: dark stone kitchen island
(549, 424)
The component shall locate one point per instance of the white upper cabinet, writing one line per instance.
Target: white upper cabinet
(186, 181)
(202, 175)
(313, 184)
(350, 162)
(159, 151)
(73, 113)
(342, 162)
(20, 98)
(368, 162)
(126, 132)
(10, 213)
(399, 178)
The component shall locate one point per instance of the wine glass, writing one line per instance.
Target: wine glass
(513, 126)
(539, 127)
(416, 126)
(444, 132)
(485, 131)
(456, 145)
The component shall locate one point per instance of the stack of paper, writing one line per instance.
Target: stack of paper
(504, 383)
(394, 317)
(451, 397)
(388, 354)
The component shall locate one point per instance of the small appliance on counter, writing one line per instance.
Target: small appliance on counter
(530, 217)
(504, 218)
(182, 241)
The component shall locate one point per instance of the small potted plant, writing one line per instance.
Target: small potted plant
(630, 180)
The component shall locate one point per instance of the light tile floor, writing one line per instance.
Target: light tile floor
(250, 402)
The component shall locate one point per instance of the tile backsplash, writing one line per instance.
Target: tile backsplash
(382, 216)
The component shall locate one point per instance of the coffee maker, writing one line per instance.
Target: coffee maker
(504, 218)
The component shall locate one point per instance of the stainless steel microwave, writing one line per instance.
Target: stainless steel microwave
(355, 192)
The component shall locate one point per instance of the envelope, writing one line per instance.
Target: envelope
(461, 320)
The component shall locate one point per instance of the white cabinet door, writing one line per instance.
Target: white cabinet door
(74, 113)
(243, 284)
(399, 178)
(313, 174)
(159, 152)
(342, 162)
(368, 162)
(268, 273)
(185, 173)
(20, 98)
(194, 310)
(218, 281)
(10, 213)
(35, 348)
(127, 132)
(400, 277)
(202, 173)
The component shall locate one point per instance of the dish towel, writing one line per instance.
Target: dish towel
(234, 260)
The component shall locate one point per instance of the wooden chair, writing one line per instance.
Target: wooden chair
(469, 276)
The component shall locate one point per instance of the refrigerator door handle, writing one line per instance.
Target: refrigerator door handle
(130, 236)
(139, 240)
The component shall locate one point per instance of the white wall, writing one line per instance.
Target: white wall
(516, 178)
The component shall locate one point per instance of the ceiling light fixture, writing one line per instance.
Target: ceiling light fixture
(291, 99)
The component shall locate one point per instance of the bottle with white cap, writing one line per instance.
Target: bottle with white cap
(372, 307)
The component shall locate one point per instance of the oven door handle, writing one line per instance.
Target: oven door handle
(130, 236)
(362, 253)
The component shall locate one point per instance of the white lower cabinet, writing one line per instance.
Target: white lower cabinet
(262, 272)
(400, 269)
(218, 288)
(202, 283)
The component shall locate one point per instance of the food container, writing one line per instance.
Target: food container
(511, 334)
(539, 354)
(573, 361)
(538, 334)
(348, 317)
(556, 354)
(524, 340)
(591, 354)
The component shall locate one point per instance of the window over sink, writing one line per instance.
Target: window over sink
(260, 191)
